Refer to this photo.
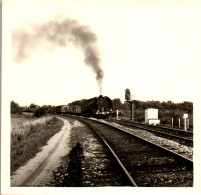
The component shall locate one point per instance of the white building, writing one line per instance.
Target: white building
(151, 116)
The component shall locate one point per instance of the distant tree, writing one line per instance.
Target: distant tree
(188, 107)
(137, 104)
(15, 108)
(49, 108)
(33, 105)
(126, 106)
(116, 104)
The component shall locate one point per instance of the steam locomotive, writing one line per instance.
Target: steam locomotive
(99, 107)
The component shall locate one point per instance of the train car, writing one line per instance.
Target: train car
(58, 109)
(99, 107)
(64, 109)
(76, 110)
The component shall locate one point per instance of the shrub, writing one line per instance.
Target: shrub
(39, 112)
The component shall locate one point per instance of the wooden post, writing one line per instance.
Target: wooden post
(179, 122)
(132, 111)
(187, 123)
(185, 118)
(184, 124)
(117, 112)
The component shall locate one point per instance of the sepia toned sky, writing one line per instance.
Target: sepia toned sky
(55, 52)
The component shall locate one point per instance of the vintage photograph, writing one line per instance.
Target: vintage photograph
(100, 95)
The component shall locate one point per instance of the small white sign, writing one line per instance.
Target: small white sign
(185, 115)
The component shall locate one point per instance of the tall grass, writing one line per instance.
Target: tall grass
(21, 127)
(28, 135)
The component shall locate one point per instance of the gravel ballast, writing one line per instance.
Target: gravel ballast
(171, 145)
(88, 163)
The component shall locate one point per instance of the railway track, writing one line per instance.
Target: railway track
(90, 163)
(180, 136)
(144, 163)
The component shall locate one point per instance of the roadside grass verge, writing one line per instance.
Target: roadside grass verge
(28, 135)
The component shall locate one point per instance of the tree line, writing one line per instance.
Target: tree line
(117, 105)
(167, 110)
(141, 105)
(37, 110)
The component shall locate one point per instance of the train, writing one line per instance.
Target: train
(99, 107)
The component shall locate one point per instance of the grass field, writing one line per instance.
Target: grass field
(28, 135)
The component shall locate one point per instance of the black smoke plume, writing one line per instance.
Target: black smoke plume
(59, 33)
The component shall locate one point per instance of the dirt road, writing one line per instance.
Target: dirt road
(38, 171)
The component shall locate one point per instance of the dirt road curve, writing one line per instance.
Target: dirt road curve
(38, 171)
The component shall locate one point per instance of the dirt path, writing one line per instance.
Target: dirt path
(38, 171)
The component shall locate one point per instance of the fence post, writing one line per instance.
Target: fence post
(179, 122)
(184, 124)
(117, 112)
(187, 123)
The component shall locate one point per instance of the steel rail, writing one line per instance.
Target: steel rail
(157, 126)
(187, 160)
(159, 146)
(113, 153)
(188, 142)
(184, 160)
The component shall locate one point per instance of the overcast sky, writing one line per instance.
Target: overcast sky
(59, 51)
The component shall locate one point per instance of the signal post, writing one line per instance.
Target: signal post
(128, 99)
(132, 110)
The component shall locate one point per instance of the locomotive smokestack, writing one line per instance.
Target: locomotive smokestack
(60, 33)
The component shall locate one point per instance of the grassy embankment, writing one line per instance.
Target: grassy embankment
(28, 135)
